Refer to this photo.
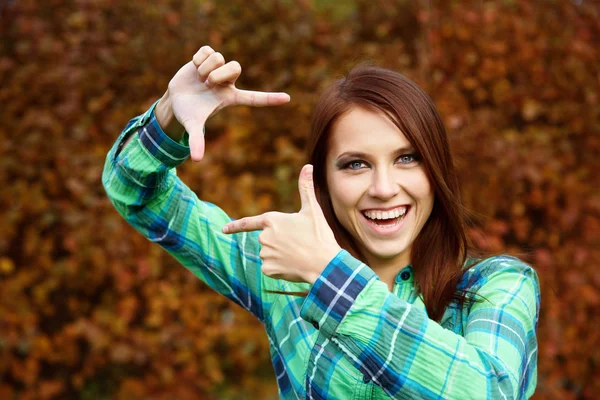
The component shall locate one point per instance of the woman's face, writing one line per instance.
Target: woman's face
(378, 186)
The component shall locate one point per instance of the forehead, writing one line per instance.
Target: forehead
(365, 130)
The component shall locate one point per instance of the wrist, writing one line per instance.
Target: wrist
(323, 261)
(166, 118)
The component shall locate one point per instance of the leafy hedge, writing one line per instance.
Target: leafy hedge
(91, 310)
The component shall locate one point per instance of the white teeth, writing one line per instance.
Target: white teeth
(395, 213)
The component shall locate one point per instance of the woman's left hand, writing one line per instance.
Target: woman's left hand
(295, 247)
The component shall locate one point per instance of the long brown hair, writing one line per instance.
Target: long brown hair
(439, 252)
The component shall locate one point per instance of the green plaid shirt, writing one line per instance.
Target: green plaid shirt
(350, 338)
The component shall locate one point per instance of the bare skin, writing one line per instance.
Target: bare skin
(298, 246)
(199, 90)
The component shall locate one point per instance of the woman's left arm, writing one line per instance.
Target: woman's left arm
(400, 349)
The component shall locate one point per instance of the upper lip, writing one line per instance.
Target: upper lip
(386, 209)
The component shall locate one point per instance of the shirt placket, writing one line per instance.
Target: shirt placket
(403, 286)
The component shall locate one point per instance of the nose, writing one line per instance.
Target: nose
(383, 186)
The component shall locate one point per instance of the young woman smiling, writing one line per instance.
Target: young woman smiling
(394, 304)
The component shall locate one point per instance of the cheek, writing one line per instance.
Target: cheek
(420, 189)
(423, 192)
(344, 196)
(426, 192)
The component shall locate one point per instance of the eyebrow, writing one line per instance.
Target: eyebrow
(359, 154)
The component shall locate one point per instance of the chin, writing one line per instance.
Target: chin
(388, 253)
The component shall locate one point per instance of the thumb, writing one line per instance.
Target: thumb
(196, 141)
(306, 187)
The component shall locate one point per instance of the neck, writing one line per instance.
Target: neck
(388, 268)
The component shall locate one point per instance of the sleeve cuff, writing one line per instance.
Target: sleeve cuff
(334, 292)
(161, 146)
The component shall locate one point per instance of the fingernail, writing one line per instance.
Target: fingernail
(308, 171)
(225, 229)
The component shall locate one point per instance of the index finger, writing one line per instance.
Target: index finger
(260, 99)
(246, 224)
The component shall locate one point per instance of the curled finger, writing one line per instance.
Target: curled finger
(262, 239)
(201, 55)
(229, 72)
(214, 61)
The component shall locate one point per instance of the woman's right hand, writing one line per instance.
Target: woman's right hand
(199, 90)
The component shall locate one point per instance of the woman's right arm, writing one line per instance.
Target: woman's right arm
(140, 179)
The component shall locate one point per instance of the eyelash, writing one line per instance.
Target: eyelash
(415, 158)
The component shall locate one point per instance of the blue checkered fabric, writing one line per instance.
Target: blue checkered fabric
(350, 337)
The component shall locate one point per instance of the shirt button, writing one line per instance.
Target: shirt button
(405, 275)
(366, 378)
(316, 325)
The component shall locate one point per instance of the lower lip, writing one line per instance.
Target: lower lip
(385, 230)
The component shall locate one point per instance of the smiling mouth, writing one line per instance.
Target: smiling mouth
(386, 218)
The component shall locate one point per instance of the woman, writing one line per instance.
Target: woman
(368, 291)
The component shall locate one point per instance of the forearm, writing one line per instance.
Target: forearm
(166, 119)
(134, 173)
(395, 345)
(413, 356)
(139, 178)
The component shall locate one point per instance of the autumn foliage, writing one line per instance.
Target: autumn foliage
(89, 309)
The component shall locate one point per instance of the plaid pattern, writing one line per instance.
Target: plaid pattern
(350, 338)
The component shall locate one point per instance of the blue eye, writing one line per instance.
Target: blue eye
(407, 158)
(355, 164)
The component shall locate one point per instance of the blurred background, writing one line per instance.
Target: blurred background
(89, 309)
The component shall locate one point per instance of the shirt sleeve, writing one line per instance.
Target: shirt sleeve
(397, 347)
(141, 181)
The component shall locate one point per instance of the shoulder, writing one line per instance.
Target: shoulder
(501, 272)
